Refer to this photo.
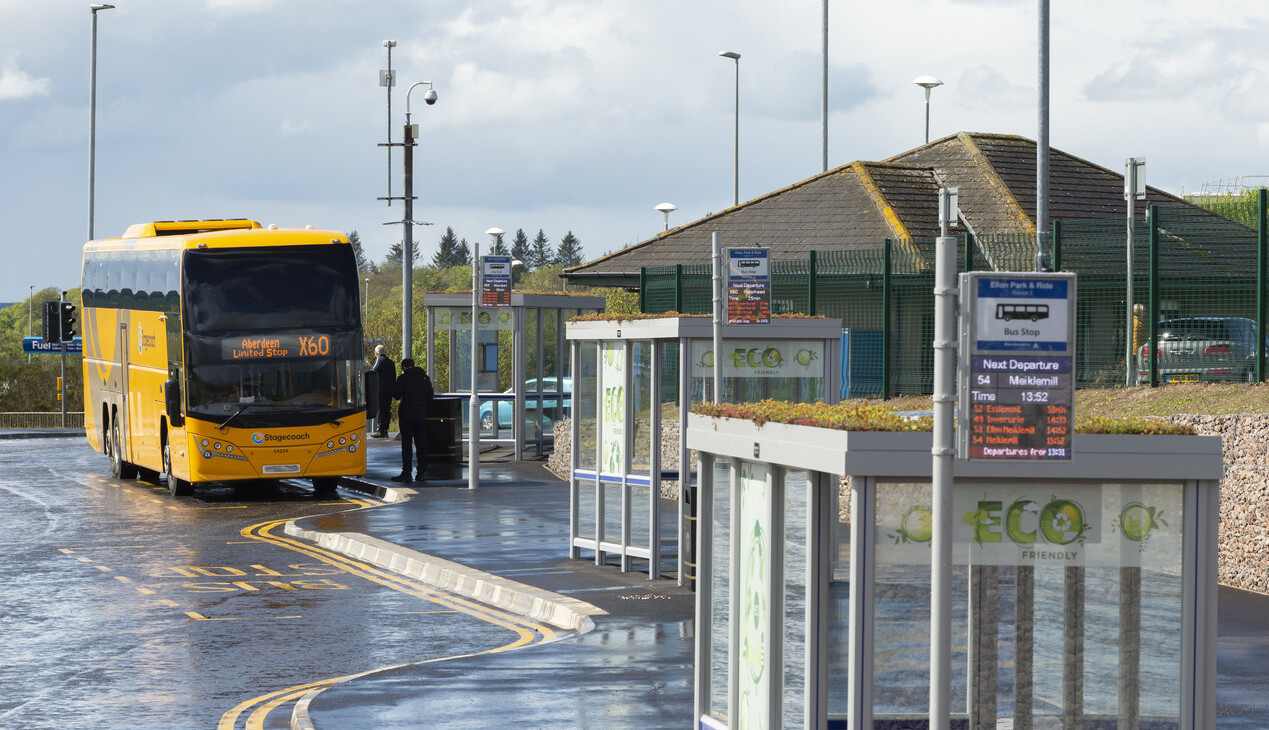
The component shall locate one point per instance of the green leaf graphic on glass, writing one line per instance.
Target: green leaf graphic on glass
(917, 525)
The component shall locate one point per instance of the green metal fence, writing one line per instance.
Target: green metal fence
(1188, 262)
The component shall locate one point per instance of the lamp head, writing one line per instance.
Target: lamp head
(389, 44)
(100, 6)
(730, 54)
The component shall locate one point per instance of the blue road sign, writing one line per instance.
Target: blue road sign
(36, 345)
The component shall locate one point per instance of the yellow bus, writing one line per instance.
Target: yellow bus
(220, 351)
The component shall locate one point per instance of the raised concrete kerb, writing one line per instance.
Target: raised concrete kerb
(523, 600)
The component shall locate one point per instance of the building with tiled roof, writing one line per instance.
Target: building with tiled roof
(860, 205)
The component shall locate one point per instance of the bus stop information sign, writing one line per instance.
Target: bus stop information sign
(748, 286)
(496, 283)
(1017, 353)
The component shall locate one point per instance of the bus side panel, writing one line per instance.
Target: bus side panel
(102, 374)
(147, 372)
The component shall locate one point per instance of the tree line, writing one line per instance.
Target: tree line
(454, 251)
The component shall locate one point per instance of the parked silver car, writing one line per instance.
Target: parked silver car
(1202, 349)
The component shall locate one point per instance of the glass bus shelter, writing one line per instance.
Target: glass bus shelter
(523, 373)
(635, 382)
(1084, 592)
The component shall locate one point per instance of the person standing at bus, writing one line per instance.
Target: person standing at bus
(386, 371)
(414, 389)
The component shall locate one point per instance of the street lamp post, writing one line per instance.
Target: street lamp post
(30, 316)
(92, 118)
(735, 169)
(388, 79)
(667, 209)
(407, 223)
(928, 83)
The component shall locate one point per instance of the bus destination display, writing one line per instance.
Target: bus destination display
(1017, 350)
(276, 347)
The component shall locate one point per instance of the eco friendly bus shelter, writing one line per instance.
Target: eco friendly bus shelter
(1084, 590)
(523, 378)
(632, 378)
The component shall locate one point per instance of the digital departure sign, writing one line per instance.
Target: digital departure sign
(1017, 382)
(748, 286)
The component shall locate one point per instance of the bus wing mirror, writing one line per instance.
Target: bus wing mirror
(172, 401)
(372, 394)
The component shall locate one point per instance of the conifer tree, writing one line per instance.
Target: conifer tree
(540, 254)
(520, 247)
(447, 250)
(570, 251)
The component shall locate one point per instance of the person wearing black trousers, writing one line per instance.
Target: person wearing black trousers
(414, 389)
(386, 371)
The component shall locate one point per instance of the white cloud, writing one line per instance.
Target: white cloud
(18, 84)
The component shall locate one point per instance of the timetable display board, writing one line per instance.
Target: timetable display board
(748, 286)
(1016, 386)
(496, 282)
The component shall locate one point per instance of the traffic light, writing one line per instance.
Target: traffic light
(67, 321)
(52, 322)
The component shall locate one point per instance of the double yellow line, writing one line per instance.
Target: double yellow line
(259, 708)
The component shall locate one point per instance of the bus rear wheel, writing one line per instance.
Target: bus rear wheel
(119, 467)
(178, 487)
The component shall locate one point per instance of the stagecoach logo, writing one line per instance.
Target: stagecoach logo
(144, 341)
(259, 438)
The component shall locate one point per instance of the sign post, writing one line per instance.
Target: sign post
(1017, 366)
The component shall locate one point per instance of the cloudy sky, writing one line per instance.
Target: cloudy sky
(576, 115)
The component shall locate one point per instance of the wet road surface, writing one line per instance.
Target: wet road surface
(126, 607)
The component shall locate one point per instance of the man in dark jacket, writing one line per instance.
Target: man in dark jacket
(386, 371)
(414, 388)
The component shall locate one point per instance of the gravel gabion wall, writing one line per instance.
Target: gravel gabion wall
(1244, 525)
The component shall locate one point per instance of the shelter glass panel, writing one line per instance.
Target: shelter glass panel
(1052, 587)
(641, 456)
(797, 486)
(587, 410)
(720, 614)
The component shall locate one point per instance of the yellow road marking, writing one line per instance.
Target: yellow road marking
(103, 568)
(200, 617)
(123, 579)
(145, 591)
(523, 629)
(84, 560)
(166, 601)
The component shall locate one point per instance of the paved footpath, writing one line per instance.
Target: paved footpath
(506, 543)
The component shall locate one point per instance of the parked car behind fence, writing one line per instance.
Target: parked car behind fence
(1202, 349)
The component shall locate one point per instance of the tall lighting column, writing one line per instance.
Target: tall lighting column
(407, 222)
(735, 165)
(92, 118)
(928, 83)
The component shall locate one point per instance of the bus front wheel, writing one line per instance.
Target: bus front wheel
(325, 486)
(119, 467)
(178, 487)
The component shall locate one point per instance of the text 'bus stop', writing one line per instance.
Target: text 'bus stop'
(635, 382)
(1084, 591)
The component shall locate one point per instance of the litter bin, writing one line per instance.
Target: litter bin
(444, 429)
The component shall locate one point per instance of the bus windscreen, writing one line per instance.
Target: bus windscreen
(273, 288)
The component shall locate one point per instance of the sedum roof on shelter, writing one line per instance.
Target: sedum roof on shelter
(860, 205)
